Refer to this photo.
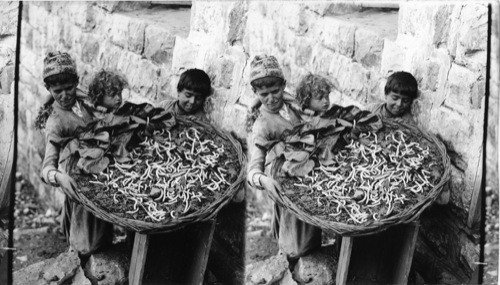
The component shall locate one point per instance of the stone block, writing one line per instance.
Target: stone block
(478, 93)
(268, 271)
(393, 58)
(368, 48)
(318, 267)
(352, 78)
(63, 268)
(321, 59)
(159, 45)
(185, 55)
(472, 34)
(459, 87)
(27, 35)
(127, 32)
(457, 186)
(303, 51)
(211, 17)
(441, 23)
(31, 274)
(336, 35)
(415, 19)
(237, 23)
(334, 9)
(90, 48)
(37, 18)
(80, 14)
(109, 267)
(122, 6)
(109, 55)
(469, 254)
(39, 42)
(80, 278)
(6, 79)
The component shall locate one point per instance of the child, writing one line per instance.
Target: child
(400, 91)
(295, 238)
(70, 113)
(193, 88)
(105, 92)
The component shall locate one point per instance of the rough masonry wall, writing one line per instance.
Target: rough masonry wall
(8, 32)
(443, 45)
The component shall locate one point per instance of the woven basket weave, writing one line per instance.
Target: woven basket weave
(406, 216)
(204, 214)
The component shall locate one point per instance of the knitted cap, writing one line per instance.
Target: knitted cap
(57, 63)
(265, 66)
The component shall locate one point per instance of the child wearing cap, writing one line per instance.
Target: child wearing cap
(295, 238)
(400, 90)
(66, 114)
(193, 88)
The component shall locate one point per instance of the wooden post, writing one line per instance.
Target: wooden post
(344, 260)
(139, 253)
(201, 252)
(180, 256)
(404, 260)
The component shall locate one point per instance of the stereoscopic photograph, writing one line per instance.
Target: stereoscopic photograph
(250, 142)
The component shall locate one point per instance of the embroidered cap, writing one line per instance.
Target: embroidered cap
(265, 66)
(57, 63)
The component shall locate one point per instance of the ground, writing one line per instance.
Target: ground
(36, 226)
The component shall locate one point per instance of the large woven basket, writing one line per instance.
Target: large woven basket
(204, 214)
(406, 216)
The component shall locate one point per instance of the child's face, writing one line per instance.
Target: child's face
(112, 101)
(319, 102)
(398, 104)
(190, 101)
(64, 93)
(271, 97)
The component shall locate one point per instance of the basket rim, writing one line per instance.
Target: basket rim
(206, 213)
(406, 216)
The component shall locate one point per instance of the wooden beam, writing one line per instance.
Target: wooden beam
(403, 264)
(139, 253)
(344, 260)
(475, 204)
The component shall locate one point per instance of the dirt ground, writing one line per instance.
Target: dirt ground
(34, 227)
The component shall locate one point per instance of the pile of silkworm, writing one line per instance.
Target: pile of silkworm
(367, 181)
(166, 176)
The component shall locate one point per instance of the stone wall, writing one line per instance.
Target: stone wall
(443, 45)
(8, 32)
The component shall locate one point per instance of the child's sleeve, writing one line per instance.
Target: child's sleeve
(257, 155)
(51, 158)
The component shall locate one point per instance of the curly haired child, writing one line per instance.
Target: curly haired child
(105, 91)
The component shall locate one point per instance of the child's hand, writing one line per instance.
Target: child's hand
(68, 183)
(271, 185)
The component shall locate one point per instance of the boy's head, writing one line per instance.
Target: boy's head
(106, 88)
(193, 89)
(400, 91)
(313, 92)
(61, 78)
(267, 81)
